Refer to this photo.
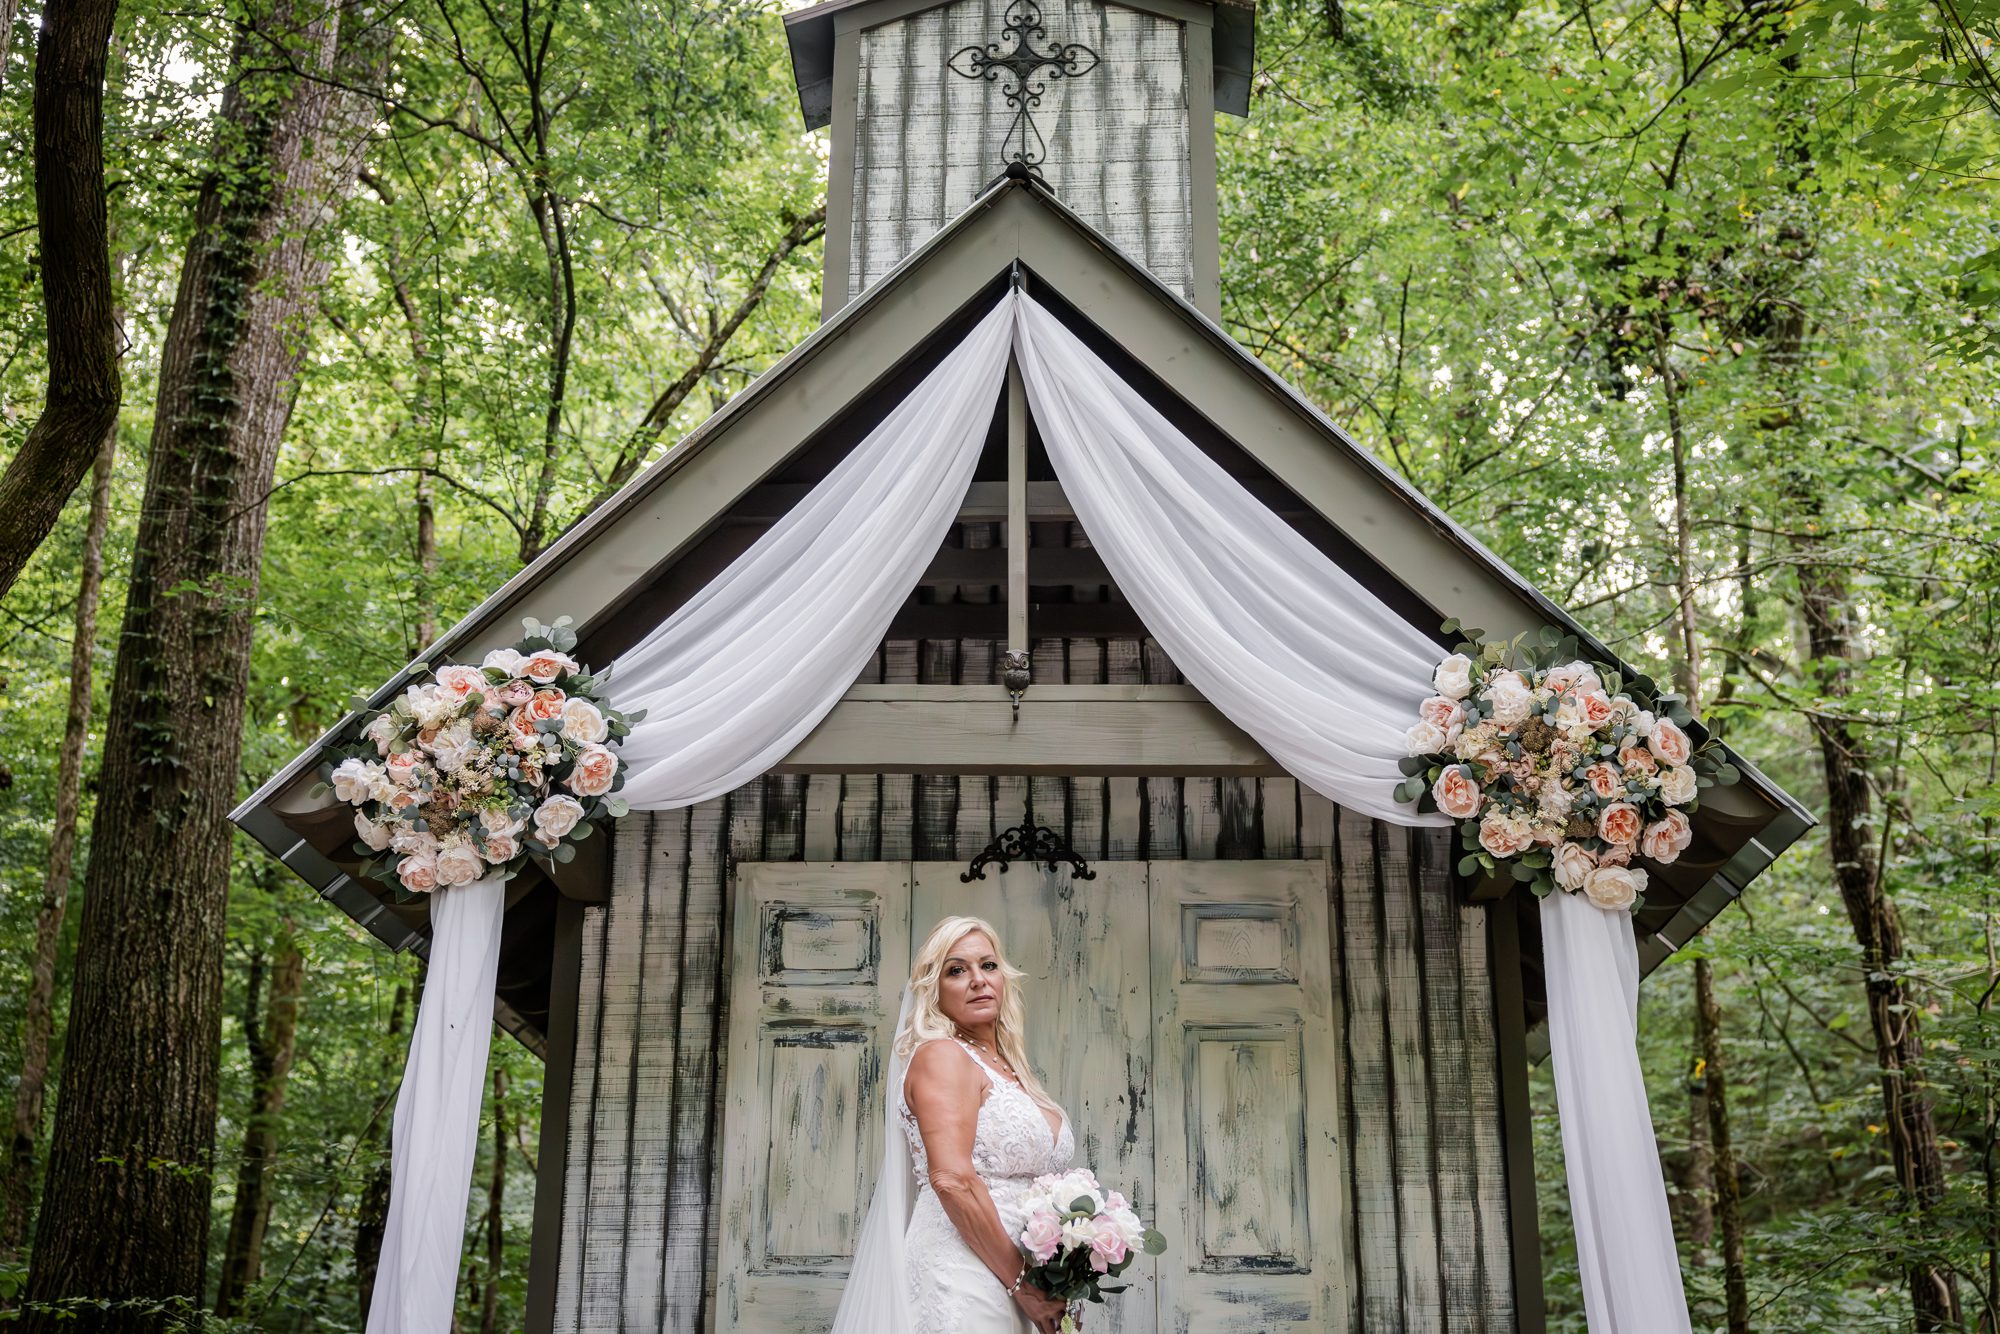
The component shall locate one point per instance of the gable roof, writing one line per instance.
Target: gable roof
(850, 366)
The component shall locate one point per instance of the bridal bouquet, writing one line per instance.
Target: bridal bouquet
(477, 768)
(1078, 1234)
(1557, 768)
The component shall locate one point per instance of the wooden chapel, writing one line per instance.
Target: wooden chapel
(1294, 1033)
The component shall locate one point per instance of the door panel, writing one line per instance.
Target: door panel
(1084, 947)
(1244, 1058)
(819, 956)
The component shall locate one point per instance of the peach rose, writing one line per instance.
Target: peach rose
(1620, 855)
(526, 737)
(1669, 742)
(418, 873)
(1620, 823)
(403, 767)
(458, 862)
(1605, 781)
(1456, 794)
(593, 773)
(1573, 863)
(461, 680)
(544, 667)
(1614, 888)
(1593, 708)
(502, 846)
(1441, 713)
(1505, 836)
(1639, 758)
(546, 705)
(1666, 838)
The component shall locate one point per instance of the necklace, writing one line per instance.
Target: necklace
(990, 1053)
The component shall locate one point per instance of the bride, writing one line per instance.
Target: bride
(970, 1128)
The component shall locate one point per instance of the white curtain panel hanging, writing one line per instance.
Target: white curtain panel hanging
(435, 1135)
(1617, 1198)
(1289, 646)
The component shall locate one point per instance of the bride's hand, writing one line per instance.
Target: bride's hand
(1043, 1310)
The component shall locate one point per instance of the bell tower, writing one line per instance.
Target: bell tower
(1112, 105)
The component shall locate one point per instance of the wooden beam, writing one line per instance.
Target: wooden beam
(988, 620)
(1017, 509)
(552, 1156)
(987, 501)
(1048, 567)
(1112, 730)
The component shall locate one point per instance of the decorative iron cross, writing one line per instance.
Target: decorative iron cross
(1017, 72)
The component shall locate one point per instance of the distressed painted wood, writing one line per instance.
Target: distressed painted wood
(927, 140)
(818, 950)
(918, 817)
(1245, 1124)
(1090, 1022)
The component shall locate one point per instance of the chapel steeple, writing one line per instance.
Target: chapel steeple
(1111, 104)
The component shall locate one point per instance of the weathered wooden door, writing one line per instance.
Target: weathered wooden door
(1181, 1011)
(1245, 1049)
(820, 953)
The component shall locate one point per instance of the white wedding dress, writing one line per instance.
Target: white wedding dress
(951, 1290)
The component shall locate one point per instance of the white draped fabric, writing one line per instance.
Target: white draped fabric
(1624, 1236)
(435, 1135)
(1289, 646)
(1286, 644)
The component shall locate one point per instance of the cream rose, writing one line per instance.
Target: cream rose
(376, 836)
(414, 840)
(1456, 794)
(593, 773)
(502, 846)
(1666, 838)
(1573, 676)
(354, 779)
(404, 767)
(582, 723)
(1669, 743)
(1426, 738)
(1614, 888)
(1678, 785)
(546, 666)
(1594, 708)
(506, 660)
(1573, 863)
(458, 861)
(1605, 781)
(1555, 800)
(556, 817)
(1453, 678)
(1505, 836)
(381, 730)
(1508, 698)
(418, 873)
(1620, 823)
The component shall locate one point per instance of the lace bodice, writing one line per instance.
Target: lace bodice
(1012, 1142)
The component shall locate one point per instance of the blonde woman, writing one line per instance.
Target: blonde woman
(971, 1126)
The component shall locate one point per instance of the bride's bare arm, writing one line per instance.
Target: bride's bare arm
(945, 1089)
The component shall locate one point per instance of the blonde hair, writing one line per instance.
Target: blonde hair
(928, 1023)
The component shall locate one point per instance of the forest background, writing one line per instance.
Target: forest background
(1685, 309)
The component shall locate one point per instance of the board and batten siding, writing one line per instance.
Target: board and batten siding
(1427, 1236)
(928, 140)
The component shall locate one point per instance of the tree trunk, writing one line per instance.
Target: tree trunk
(496, 1232)
(270, 1067)
(81, 402)
(373, 1214)
(1698, 1180)
(125, 1213)
(33, 1086)
(1728, 1188)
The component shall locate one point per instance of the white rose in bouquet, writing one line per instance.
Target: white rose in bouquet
(1573, 865)
(1424, 739)
(1508, 698)
(555, 817)
(354, 780)
(376, 836)
(582, 723)
(1453, 678)
(459, 862)
(1614, 887)
(1678, 785)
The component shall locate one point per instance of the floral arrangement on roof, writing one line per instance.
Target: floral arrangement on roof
(472, 770)
(1558, 770)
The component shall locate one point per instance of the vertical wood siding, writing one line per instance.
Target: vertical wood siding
(928, 140)
(1427, 1239)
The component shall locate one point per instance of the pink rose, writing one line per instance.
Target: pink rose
(546, 666)
(1594, 708)
(1573, 676)
(545, 705)
(1619, 855)
(458, 862)
(1605, 781)
(418, 874)
(515, 693)
(403, 767)
(1456, 794)
(501, 846)
(1505, 836)
(405, 798)
(1639, 758)
(1669, 742)
(594, 772)
(1620, 823)
(1041, 1236)
(1665, 839)
(1109, 1248)
(461, 680)
(1441, 713)
(382, 731)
